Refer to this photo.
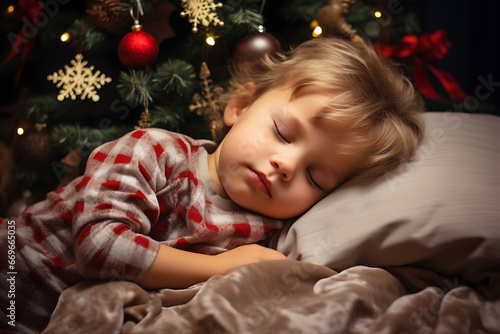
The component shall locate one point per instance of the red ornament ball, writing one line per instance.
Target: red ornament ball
(138, 50)
(253, 48)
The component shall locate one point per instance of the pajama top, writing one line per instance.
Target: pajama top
(148, 187)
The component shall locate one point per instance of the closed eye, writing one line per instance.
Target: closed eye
(311, 180)
(279, 135)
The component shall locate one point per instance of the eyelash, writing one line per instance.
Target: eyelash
(279, 135)
(311, 181)
(308, 173)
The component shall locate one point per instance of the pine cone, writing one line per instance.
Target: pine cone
(109, 15)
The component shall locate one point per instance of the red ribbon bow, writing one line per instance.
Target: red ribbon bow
(423, 52)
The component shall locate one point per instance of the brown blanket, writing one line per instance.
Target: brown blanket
(283, 296)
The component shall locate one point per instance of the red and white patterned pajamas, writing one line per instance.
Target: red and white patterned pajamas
(146, 188)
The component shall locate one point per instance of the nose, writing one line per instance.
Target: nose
(285, 166)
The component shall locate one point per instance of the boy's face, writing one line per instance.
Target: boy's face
(277, 160)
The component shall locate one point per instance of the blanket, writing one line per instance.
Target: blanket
(283, 296)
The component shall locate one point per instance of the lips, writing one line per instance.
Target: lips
(261, 181)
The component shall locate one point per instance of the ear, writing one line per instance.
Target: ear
(238, 103)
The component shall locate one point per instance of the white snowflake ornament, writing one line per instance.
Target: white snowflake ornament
(201, 12)
(78, 80)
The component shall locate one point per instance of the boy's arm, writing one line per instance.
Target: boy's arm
(174, 268)
(117, 207)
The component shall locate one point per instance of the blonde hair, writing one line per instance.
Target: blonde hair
(367, 91)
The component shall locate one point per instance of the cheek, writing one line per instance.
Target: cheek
(248, 149)
(294, 206)
(227, 166)
(301, 196)
(252, 139)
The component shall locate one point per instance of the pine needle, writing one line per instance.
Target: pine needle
(177, 76)
(137, 87)
(86, 139)
(87, 37)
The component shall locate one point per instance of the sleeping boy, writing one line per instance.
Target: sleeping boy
(166, 210)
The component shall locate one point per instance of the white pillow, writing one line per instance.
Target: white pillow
(441, 211)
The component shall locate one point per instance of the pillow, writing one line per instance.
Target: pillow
(440, 211)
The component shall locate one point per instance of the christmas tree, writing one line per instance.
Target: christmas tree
(76, 74)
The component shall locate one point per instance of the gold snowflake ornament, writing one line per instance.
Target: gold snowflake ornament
(78, 80)
(201, 12)
(208, 104)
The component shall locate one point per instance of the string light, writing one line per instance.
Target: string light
(317, 30)
(10, 9)
(210, 40)
(378, 14)
(20, 131)
(64, 37)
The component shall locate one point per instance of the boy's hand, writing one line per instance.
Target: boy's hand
(244, 255)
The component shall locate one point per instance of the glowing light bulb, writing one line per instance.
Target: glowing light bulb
(20, 131)
(10, 9)
(64, 37)
(378, 14)
(317, 31)
(210, 40)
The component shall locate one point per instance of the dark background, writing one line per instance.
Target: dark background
(472, 28)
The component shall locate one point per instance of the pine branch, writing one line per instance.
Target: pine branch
(359, 13)
(248, 18)
(86, 139)
(177, 76)
(137, 87)
(243, 18)
(232, 6)
(40, 107)
(302, 10)
(46, 108)
(87, 36)
(164, 117)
